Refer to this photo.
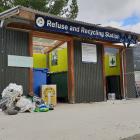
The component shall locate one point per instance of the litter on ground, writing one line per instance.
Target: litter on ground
(13, 101)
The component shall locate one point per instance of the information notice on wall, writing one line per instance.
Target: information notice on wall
(89, 53)
(20, 61)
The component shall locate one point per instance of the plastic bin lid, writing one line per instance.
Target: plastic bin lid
(41, 69)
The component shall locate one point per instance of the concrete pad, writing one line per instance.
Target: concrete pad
(94, 121)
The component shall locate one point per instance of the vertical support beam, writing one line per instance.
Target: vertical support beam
(121, 72)
(125, 78)
(71, 89)
(103, 73)
(123, 68)
(31, 70)
(48, 60)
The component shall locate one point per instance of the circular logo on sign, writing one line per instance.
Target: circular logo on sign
(49, 90)
(40, 21)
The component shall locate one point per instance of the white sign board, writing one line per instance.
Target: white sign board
(137, 75)
(89, 53)
(20, 61)
(112, 60)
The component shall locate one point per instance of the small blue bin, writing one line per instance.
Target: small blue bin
(40, 78)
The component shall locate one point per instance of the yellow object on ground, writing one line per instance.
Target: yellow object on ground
(49, 94)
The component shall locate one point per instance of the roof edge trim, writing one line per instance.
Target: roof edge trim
(9, 13)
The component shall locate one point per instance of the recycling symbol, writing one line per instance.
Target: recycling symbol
(112, 61)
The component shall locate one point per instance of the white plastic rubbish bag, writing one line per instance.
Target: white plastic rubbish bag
(24, 104)
(12, 87)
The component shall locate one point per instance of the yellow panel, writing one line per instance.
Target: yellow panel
(49, 89)
(112, 70)
(62, 61)
(40, 60)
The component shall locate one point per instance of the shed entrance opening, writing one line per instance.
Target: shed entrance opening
(50, 66)
(112, 72)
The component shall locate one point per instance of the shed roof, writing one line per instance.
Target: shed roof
(29, 14)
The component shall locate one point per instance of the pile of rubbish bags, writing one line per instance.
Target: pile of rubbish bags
(13, 101)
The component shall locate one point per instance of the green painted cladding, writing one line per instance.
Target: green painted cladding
(62, 64)
(40, 60)
(110, 71)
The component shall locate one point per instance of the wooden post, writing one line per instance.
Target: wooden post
(103, 73)
(31, 70)
(71, 94)
(121, 72)
(125, 78)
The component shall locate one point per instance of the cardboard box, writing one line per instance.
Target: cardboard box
(48, 94)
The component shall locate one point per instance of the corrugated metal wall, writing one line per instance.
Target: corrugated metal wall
(13, 43)
(130, 77)
(88, 77)
(136, 53)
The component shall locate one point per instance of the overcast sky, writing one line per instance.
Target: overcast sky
(124, 14)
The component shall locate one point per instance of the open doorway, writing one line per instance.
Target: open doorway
(50, 65)
(112, 72)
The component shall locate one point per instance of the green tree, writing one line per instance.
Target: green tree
(65, 8)
(73, 10)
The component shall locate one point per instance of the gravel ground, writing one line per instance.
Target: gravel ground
(96, 121)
